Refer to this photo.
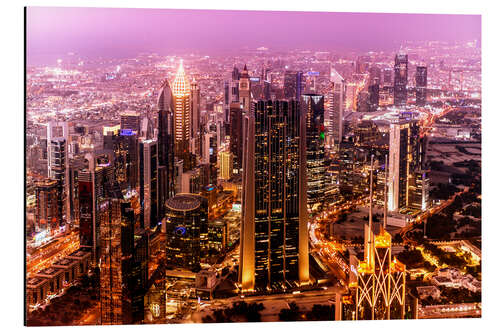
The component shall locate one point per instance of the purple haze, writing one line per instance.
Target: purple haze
(124, 32)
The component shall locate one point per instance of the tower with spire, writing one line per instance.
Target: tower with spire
(182, 116)
(381, 282)
(244, 90)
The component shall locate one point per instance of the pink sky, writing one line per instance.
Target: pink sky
(115, 32)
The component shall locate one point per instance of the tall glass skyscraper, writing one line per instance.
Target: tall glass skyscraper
(274, 240)
(236, 134)
(182, 116)
(334, 120)
(148, 181)
(166, 172)
(404, 161)
(421, 85)
(400, 79)
(314, 111)
(292, 84)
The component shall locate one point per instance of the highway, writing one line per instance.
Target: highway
(329, 250)
(423, 216)
(450, 311)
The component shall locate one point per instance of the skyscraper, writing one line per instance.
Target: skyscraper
(225, 165)
(195, 117)
(209, 152)
(148, 183)
(117, 244)
(58, 162)
(374, 97)
(244, 90)
(400, 79)
(421, 86)
(92, 184)
(125, 149)
(227, 100)
(314, 110)
(58, 170)
(182, 116)
(404, 160)
(274, 240)
(292, 84)
(236, 134)
(334, 120)
(48, 210)
(166, 170)
(388, 77)
(235, 83)
(186, 220)
(130, 120)
(380, 288)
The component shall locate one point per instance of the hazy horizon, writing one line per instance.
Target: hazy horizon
(124, 32)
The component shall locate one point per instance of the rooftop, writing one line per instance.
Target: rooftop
(183, 202)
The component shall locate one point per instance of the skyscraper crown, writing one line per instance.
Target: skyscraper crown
(181, 83)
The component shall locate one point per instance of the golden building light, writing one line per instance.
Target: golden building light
(182, 114)
(380, 289)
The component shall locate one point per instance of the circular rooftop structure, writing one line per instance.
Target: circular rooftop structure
(183, 202)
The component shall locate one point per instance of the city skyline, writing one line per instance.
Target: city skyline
(89, 31)
(264, 184)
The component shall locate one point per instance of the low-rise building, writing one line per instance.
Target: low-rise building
(426, 291)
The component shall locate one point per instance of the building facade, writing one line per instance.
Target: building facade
(182, 116)
(314, 110)
(400, 79)
(148, 183)
(274, 240)
(186, 220)
(421, 86)
(404, 161)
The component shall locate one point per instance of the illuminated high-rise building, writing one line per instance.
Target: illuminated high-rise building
(57, 162)
(166, 170)
(125, 149)
(195, 117)
(334, 118)
(227, 100)
(48, 210)
(373, 97)
(419, 191)
(404, 161)
(58, 170)
(400, 79)
(75, 165)
(352, 179)
(421, 86)
(245, 97)
(380, 287)
(274, 240)
(236, 134)
(182, 116)
(186, 219)
(293, 84)
(375, 75)
(148, 183)
(117, 245)
(234, 86)
(209, 152)
(388, 77)
(92, 184)
(130, 120)
(314, 110)
(225, 165)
